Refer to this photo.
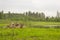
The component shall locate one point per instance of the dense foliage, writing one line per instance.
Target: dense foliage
(29, 16)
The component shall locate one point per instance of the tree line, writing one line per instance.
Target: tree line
(29, 16)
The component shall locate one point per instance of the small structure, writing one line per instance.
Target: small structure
(15, 25)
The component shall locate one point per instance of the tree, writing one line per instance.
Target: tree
(1, 14)
(29, 13)
(52, 19)
(58, 14)
(47, 18)
(26, 14)
(42, 15)
(9, 14)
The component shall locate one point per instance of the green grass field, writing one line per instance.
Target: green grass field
(29, 33)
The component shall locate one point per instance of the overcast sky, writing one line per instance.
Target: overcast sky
(49, 7)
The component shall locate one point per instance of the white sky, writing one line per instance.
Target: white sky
(49, 7)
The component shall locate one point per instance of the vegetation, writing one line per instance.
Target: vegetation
(33, 22)
(30, 34)
(29, 16)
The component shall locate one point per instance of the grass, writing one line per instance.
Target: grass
(45, 23)
(29, 33)
(2, 22)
